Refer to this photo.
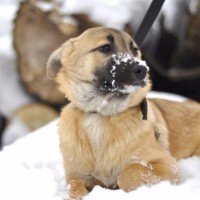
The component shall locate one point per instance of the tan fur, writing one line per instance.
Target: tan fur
(103, 140)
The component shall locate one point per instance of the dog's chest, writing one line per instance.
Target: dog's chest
(94, 129)
(109, 148)
(104, 170)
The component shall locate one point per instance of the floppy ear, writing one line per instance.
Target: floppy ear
(54, 64)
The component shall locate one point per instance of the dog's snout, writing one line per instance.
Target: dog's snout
(140, 71)
(122, 71)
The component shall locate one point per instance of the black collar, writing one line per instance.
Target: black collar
(144, 109)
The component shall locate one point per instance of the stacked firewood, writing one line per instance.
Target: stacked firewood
(37, 33)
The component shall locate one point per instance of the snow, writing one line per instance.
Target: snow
(32, 167)
(16, 129)
(165, 95)
(126, 58)
(101, 11)
(122, 57)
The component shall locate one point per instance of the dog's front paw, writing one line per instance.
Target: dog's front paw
(77, 190)
(135, 175)
(142, 173)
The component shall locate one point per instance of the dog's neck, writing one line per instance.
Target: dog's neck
(143, 108)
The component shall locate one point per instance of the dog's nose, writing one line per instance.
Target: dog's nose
(140, 71)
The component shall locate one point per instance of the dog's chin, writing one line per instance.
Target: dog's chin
(109, 101)
(121, 91)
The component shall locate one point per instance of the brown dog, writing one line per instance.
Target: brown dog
(105, 138)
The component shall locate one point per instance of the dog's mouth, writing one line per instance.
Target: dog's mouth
(123, 75)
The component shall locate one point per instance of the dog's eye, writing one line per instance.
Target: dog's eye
(105, 48)
(135, 51)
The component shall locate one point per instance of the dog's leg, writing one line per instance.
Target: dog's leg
(77, 189)
(142, 173)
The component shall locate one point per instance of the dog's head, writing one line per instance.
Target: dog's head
(101, 71)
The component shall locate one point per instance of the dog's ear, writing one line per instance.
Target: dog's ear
(54, 64)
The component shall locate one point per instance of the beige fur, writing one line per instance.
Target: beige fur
(103, 139)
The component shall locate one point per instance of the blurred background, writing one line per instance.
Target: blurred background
(32, 29)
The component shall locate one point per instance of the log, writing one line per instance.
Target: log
(187, 66)
(32, 34)
(35, 115)
(193, 34)
(27, 119)
(37, 34)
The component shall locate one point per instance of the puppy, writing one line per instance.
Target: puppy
(106, 136)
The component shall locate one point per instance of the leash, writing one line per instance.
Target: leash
(148, 20)
(140, 35)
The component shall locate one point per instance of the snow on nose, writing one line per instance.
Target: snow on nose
(124, 63)
(120, 58)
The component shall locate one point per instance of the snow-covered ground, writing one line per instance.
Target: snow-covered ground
(31, 168)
